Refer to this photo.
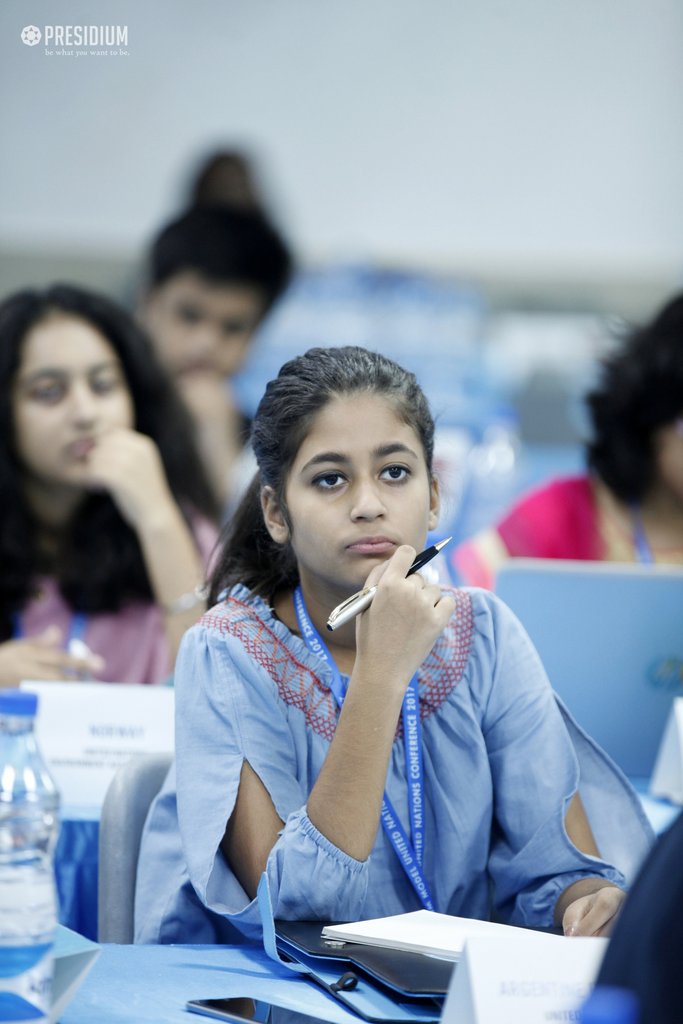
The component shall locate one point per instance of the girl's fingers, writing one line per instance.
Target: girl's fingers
(50, 637)
(400, 562)
(593, 914)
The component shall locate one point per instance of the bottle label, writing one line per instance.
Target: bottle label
(27, 929)
(26, 996)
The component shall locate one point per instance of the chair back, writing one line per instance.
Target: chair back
(124, 811)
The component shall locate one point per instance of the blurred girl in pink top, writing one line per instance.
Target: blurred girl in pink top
(106, 518)
(629, 506)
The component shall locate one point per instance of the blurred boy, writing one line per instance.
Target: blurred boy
(212, 276)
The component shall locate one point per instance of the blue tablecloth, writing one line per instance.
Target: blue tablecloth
(76, 859)
(151, 984)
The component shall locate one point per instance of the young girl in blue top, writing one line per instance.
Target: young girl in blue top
(415, 757)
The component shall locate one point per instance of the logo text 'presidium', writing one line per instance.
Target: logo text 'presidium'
(86, 35)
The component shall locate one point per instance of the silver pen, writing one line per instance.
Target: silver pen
(78, 649)
(361, 600)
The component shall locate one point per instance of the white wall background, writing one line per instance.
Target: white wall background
(530, 138)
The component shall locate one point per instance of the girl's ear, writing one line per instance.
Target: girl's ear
(434, 503)
(273, 517)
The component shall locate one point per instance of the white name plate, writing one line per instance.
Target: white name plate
(523, 981)
(88, 730)
(74, 956)
(667, 777)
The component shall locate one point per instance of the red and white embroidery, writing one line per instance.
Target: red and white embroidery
(299, 687)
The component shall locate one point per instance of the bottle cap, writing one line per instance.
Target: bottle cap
(18, 702)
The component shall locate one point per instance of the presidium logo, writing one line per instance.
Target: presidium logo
(78, 40)
(31, 35)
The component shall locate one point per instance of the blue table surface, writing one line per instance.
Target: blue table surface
(151, 984)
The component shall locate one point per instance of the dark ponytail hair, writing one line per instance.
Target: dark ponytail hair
(302, 388)
(640, 391)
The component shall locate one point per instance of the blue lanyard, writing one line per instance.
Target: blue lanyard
(77, 627)
(409, 853)
(640, 542)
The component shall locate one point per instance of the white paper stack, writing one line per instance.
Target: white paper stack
(424, 931)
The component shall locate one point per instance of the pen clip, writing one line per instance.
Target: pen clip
(334, 615)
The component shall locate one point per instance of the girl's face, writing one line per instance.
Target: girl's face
(668, 448)
(69, 390)
(358, 488)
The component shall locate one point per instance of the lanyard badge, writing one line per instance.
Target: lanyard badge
(409, 853)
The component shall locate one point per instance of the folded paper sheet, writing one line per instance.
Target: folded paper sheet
(667, 777)
(500, 980)
(74, 956)
(424, 931)
(87, 731)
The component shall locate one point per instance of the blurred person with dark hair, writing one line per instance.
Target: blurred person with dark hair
(106, 517)
(213, 274)
(629, 507)
(643, 955)
(226, 178)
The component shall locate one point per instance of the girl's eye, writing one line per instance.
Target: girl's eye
(103, 384)
(396, 472)
(234, 328)
(48, 392)
(328, 481)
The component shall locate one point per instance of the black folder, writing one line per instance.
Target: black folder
(409, 975)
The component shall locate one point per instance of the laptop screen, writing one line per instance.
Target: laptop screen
(611, 639)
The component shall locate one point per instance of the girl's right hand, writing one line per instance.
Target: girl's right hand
(393, 637)
(129, 466)
(43, 658)
(406, 616)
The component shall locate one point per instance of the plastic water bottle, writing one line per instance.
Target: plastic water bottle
(608, 1004)
(29, 805)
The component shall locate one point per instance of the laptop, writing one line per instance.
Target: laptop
(610, 636)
